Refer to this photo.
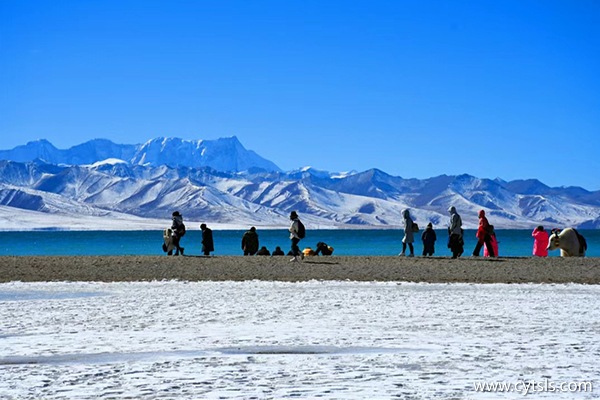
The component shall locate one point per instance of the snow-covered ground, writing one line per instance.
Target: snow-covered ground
(293, 340)
(26, 220)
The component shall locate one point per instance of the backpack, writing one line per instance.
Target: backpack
(301, 230)
(415, 227)
(181, 230)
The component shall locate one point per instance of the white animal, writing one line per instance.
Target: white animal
(569, 241)
(168, 245)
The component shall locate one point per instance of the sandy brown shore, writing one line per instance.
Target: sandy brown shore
(239, 268)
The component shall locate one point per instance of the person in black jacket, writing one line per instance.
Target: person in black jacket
(207, 240)
(250, 242)
(429, 237)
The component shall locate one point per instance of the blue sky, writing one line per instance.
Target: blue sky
(507, 89)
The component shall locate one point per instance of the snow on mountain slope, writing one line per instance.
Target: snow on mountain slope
(109, 161)
(226, 154)
(222, 183)
(591, 224)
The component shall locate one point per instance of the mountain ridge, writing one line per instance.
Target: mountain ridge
(159, 151)
(251, 192)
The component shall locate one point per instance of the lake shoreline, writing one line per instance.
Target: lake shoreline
(550, 270)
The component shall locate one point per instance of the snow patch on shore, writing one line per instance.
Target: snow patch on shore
(292, 340)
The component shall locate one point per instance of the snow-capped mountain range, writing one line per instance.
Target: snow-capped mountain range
(103, 185)
(225, 154)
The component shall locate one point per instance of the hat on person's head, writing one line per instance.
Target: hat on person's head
(293, 215)
(253, 229)
(176, 214)
(430, 225)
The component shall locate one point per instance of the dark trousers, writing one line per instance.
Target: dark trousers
(455, 244)
(488, 243)
(178, 248)
(295, 248)
(410, 247)
(428, 250)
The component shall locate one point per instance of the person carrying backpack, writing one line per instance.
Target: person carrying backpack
(178, 229)
(409, 234)
(297, 232)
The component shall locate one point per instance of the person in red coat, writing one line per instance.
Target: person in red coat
(483, 236)
(540, 242)
(494, 241)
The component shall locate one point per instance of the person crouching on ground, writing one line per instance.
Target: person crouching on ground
(207, 240)
(178, 229)
(483, 236)
(263, 251)
(429, 237)
(323, 249)
(409, 236)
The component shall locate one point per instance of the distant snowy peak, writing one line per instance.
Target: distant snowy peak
(225, 154)
(38, 149)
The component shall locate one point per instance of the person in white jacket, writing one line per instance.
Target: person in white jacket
(294, 237)
(455, 233)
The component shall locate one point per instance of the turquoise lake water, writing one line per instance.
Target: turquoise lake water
(513, 243)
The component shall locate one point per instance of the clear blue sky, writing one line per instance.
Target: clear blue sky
(505, 88)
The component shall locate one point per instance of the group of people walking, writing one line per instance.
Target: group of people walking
(485, 235)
